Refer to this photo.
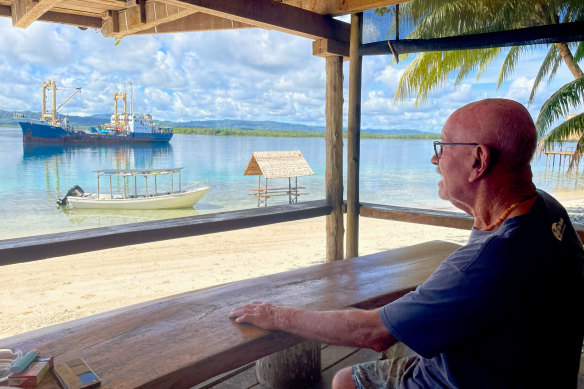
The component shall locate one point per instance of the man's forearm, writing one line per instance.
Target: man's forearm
(357, 328)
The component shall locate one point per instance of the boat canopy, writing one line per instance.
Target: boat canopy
(137, 172)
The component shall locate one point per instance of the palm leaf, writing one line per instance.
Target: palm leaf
(559, 104)
(567, 129)
(510, 62)
(552, 57)
(579, 53)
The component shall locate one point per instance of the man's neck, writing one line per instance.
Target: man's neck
(492, 209)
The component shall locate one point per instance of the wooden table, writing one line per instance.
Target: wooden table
(185, 339)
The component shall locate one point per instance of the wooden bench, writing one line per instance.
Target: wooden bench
(185, 339)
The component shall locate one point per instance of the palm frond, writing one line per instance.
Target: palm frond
(559, 104)
(573, 127)
(510, 62)
(579, 52)
(551, 58)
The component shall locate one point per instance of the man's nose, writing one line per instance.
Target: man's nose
(434, 160)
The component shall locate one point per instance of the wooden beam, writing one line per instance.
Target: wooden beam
(24, 12)
(195, 22)
(565, 32)
(61, 18)
(328, 47)
(53, 245)
(143, 16)
(334, 158)
(341, 7)
(273, 15)
(416, 215)
(354, 137)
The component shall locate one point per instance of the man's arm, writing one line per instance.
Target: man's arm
(356, 328)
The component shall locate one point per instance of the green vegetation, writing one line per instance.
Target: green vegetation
(287, 134)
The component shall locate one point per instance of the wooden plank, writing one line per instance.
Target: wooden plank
(334, 157)
(181, 341)
(416, 215)
(354, 137)
(195, 22)
(273, 15)
(61, 18)
(24, 12)
(51, 245)
(344, 7)
(328, 47)
(565, 32)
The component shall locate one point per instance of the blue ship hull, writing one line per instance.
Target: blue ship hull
(45, 133)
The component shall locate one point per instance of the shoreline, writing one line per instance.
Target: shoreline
(42, 293)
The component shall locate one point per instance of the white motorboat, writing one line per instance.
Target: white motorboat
(126, 198)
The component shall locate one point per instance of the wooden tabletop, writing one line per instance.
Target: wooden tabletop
(185, 339)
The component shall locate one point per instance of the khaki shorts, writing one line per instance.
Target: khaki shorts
(384, 374)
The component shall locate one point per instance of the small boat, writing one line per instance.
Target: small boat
(127, 195)
(123, 127)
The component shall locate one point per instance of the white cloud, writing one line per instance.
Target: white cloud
(249, 74)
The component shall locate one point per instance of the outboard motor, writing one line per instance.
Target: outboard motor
(75, 191)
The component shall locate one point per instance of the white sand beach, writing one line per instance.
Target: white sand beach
(41, 293)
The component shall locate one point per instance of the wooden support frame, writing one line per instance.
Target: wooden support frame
(24, 12)
(145, 15)
(334, 157)
(354, 137)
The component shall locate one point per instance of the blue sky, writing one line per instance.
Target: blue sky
(250, 74)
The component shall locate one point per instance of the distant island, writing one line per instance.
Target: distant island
(227, 127)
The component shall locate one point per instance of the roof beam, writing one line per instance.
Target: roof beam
(195, 22)
(273, 15)
(329, 48)
(61, 18)
(24, 12)
(565, 32)
(144, 15)
(341, 7)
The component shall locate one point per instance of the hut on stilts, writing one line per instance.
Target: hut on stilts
(277, 165)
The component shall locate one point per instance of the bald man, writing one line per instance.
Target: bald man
(504, 311)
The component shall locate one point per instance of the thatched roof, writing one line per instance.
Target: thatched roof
(278, 164)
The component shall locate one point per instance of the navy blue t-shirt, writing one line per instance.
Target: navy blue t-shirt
(504, 311)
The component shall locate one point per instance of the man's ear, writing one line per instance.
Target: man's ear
(481, 160)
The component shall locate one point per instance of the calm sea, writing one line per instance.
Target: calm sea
(394, 172)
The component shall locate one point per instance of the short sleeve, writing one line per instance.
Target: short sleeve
(461, 298)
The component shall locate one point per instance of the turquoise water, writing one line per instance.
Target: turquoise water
(394, 172)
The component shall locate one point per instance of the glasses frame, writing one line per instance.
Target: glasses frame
(439, 143)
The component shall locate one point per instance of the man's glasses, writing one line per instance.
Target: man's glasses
(438, 146)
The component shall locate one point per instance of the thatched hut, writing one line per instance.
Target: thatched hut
(277, 164)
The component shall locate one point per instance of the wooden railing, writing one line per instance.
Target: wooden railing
(73, 242)
(32, 248)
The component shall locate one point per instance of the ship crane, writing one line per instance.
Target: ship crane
(77, 90)
(53, 115)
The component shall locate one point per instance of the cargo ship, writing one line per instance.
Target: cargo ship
(123, 127)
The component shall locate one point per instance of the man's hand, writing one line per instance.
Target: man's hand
(264, 315)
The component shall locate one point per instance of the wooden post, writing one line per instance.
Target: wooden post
(295, 367)
(354, 137)
(334, 157)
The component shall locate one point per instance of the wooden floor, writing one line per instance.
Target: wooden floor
(333, 358)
